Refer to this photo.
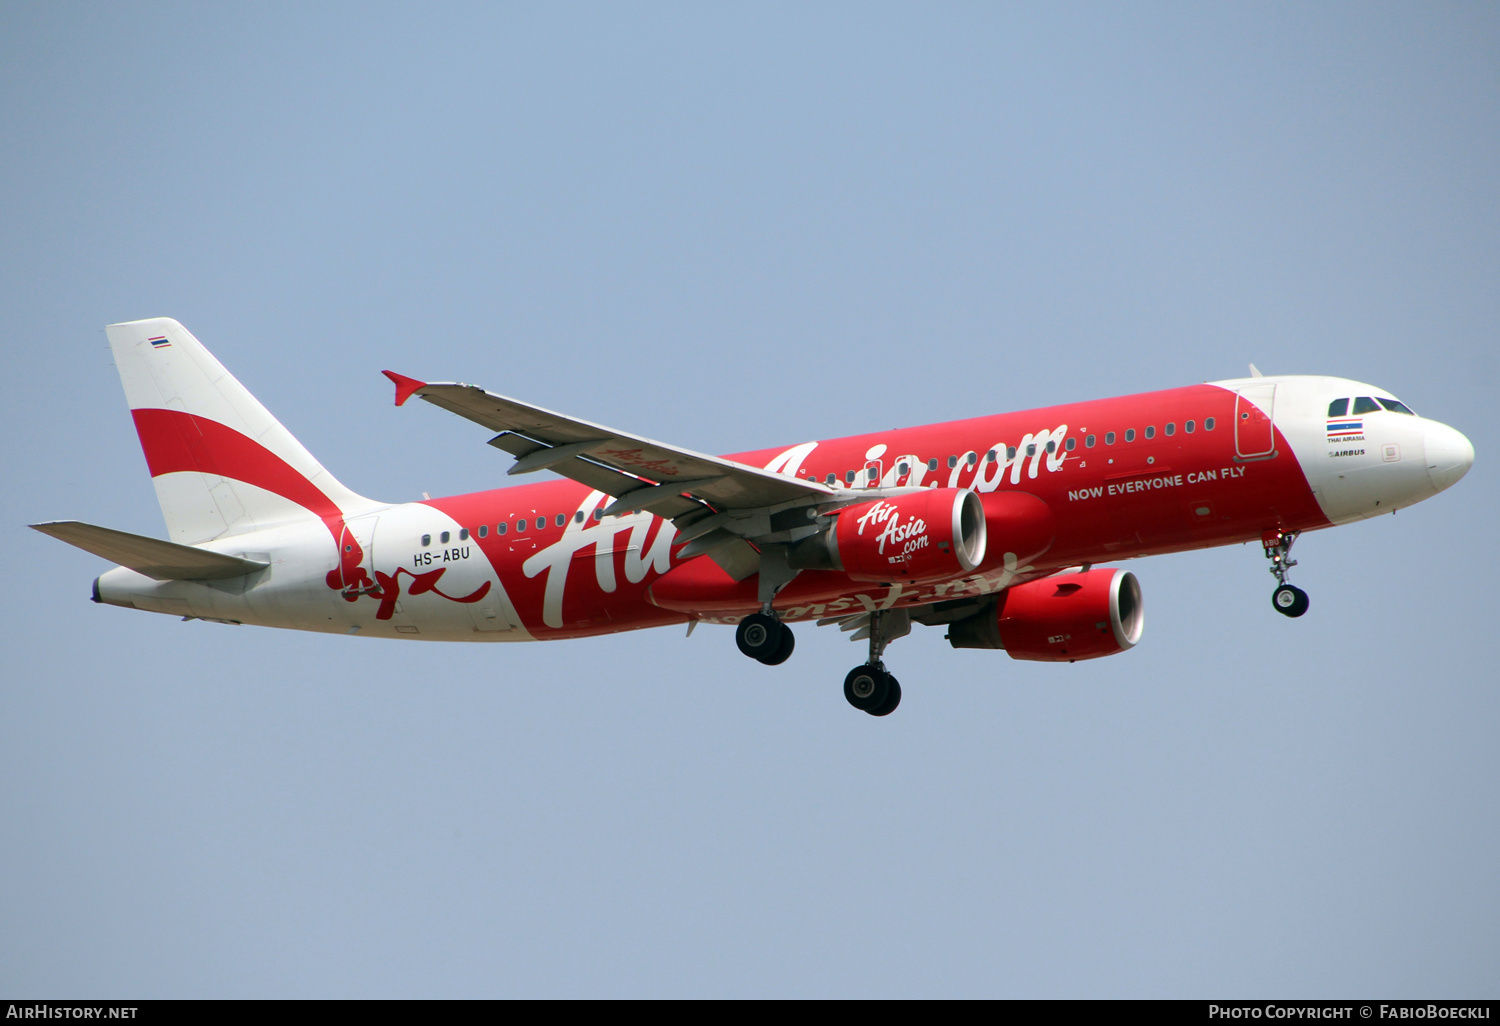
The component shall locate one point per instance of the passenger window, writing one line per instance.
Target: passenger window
(1150, 430)
(1072, 444)
(484, 530)
(426, 540)
(1051, 446)
(1031, 449)
(578, 517)
(1088, 441)
(1338, 408)
(560, 519)
(830, 479)
(599, 513)
(1364, 404)
(444, 537)
(952, 462)
(932, 463)
(848, 477)
(972, 458)
(1190, 426)
(903, 468)
(541, 522)
(1396, 406)
(500, 527)
(872, 474)
(991, 456)
(1109, 438)
(520, 525)
(1010, 452)
(463, 534)
(1171, 429)
(1208, 423)
(1130, 434)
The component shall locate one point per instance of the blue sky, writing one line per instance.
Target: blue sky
(735, 227)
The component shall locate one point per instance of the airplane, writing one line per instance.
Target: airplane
(992, 528)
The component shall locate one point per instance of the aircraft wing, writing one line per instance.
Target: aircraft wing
(639, 472)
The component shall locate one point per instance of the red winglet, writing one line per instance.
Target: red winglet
(405, 386)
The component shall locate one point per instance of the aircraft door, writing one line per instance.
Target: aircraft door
(355, 573)
(1254, 417)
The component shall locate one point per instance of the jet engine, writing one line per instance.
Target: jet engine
(927, 536)
(1059, 619)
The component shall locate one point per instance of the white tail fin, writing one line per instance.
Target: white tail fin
(221, 463)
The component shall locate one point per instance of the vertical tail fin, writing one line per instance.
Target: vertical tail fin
(220, 462)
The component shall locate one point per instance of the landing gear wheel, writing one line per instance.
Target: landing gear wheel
(867, 687)
(760, 636)
(784, 652)
(1286, 599)
(892, 699)
(1289, 600)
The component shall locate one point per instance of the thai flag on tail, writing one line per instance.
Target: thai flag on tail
(159, 342)
(1341, 428)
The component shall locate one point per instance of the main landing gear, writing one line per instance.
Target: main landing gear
(871, 688)
(763, 637)
(1287, 599)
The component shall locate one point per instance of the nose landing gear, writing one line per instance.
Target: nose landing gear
(1287, 599)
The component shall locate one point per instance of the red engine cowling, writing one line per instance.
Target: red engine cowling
(932, 535)
(1060, 619)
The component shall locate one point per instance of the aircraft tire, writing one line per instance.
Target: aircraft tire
(1289, 600)
(784, 650)
(892, 699)
(759, 636)
(867, 687)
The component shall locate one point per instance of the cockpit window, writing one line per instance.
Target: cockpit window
(1364, 404)
(1338, 408)
(1396, 406)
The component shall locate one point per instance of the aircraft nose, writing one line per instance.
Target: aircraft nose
(1449, 454)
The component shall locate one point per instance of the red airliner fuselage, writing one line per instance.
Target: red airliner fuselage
(1109, 501)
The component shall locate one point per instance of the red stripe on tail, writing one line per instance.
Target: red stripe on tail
(175, 442)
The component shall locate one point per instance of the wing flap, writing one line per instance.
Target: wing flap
(157, 559)
(595, 475)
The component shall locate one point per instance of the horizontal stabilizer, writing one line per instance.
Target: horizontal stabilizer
(161, 560)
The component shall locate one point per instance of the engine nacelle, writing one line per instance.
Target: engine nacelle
(1059, 619)
(928, 536)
